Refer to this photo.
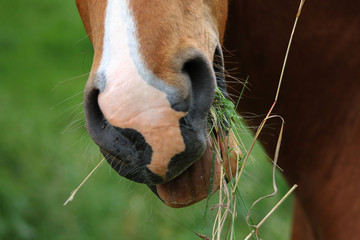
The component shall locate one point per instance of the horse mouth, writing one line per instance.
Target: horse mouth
(195, 183)
(192, 185)
(202, 178)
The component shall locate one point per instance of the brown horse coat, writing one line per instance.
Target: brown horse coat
(319, 99)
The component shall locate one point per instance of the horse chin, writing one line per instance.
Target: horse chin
(201, 179)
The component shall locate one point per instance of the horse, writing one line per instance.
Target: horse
(155, 69)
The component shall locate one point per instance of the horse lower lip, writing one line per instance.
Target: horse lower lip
(193, 184)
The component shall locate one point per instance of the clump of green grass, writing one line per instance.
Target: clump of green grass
(226, 128)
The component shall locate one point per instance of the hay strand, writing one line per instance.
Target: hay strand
(72, 195)
(271, 212)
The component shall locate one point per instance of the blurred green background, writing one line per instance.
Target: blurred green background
(45, 151)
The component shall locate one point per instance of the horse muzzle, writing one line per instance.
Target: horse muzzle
(148, 131)
(157, 135)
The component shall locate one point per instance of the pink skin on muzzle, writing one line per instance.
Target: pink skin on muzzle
(130, 102)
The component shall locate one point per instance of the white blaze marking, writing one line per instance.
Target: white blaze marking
(126, 99)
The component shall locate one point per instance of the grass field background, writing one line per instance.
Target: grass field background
(45, 151)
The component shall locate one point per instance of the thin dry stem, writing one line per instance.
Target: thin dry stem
(277, 93)
(233, 219)
(82, 183)
(271, 211)
(219, 210)
(277, 205)
(288, 47)
(273, 174)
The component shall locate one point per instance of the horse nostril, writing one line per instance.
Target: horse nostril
(92, 110)
(182, 105)
(202, 79)
(199, 73)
